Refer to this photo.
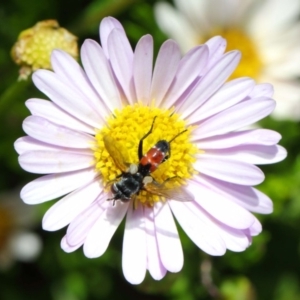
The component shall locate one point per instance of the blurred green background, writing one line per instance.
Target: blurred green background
(269, 269)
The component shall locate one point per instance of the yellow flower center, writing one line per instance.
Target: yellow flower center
(126, 127)
(250, 64)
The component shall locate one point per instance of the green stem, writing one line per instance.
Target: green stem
(13, 92)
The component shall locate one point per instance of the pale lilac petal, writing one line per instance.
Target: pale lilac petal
(28, 144)
(46, 162)
(229, 170)
(154, 265)
(81, 225)
(65, 97)
(189, 70)
(66, 247)
(252, 154)
(256, 228)
(107, 25)
(264, 137)
(210, 83)
(228, 95)
(65, 210)
(68, 69)
(262, 90)
(169, 244)
(134, 246)
(233, 239)
(203, 235)
(245, 196)
(53, 186)
(217, 46)
(50, 111)
(218, 206)
(118, 46)
(165, 69)
(142, 68)
(58, 135)
(101, 233)
(240, 115)
(100, 74)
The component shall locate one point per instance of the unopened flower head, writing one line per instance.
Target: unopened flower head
(266, 32)
(34, 46)
(155, 142)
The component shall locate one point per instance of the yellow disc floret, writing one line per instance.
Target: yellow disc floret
(126, 127)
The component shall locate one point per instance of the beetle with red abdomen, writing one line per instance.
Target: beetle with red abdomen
(138, 177)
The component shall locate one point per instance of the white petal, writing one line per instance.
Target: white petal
(228, 95)
(245, 196)
(272, 16)
(142, 68)
(217, 46)
(155, 267)
(262, 90)
(246, 137)
(68, 69)
(29, 144)
(45, 162)
(233, 239)
(82, 224)
(66, 247)
(252, 154)
(189, 70)
(204, 236)
(240, 115)
(229, 170)
(100, 74)
(55, 185)
(256, 228)
(48, 132)
(107, 25)
(134, 246)
(175, 25)
(50, 111)
(118, 47)
(210, 83)
(169, 244)
(101, 233)
(221, 208)
(65, 210)
(165, 69)
(66, 98)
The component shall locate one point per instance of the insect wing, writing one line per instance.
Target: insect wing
(178, 193)
(117, 152)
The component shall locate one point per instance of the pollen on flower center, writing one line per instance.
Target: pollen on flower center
(127, 127)
(250, 64)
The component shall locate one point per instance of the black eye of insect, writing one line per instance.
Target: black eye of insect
(135, 178)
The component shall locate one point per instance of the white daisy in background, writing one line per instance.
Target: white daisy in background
(266, 32)
(17, 241)
(117, 96)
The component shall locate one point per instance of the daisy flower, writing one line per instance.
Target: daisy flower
(266, 32)
(92, 128)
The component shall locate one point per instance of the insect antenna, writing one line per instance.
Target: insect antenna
(177, 135)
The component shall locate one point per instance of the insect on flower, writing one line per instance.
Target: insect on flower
(135, 178)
